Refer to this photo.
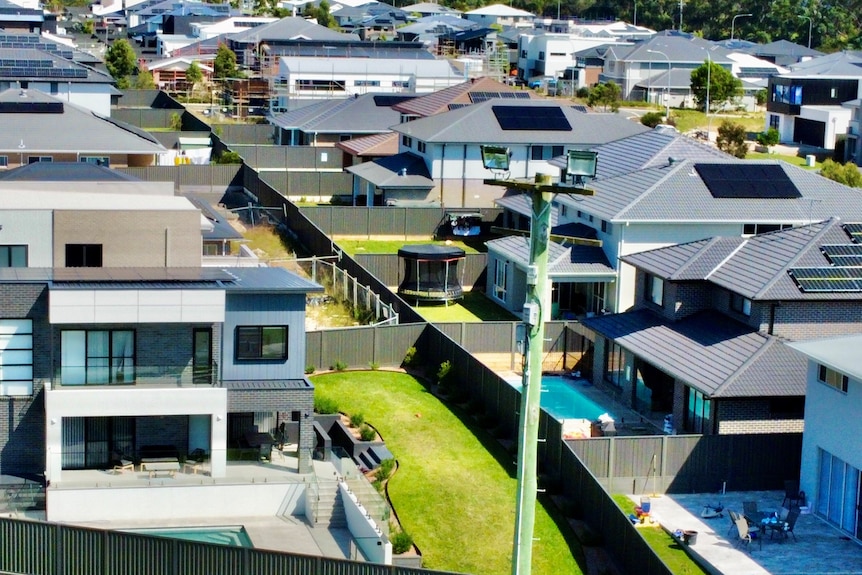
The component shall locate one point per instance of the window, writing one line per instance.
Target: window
(580, 214)
(774, 121)
(654, 289)
(697, 412)
(16, 356)
(546, 152)
(614, 364)
(407, 141)
(831, 377)
(541, 55)
(4, 161)
(55, 88)
(83, 255)
(374, 83)
(740, 304)
(97, 357)
(833, 93)
(753, 229)
(523, 53)
(420, 147)
(321, 85)
(98, 160)
(261, 342)
(401, 84)
(13, 256)
(34, 159)
(500, 276)
(564, 211)
(606, 226)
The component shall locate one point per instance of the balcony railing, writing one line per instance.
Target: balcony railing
(138, 375)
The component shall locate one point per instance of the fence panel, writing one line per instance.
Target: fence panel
(246, 134)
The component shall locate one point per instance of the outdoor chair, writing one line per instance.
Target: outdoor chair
(733, 517)
(791, 523)
(746, 535)
(792, 493)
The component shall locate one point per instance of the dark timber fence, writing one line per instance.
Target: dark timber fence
(357, 221)
(36, 548)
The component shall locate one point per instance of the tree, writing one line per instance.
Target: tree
(847, 174)
(88, 27)
(770, 137)
(193, 76)
(224, 65)
(606, 95)
(176, 122)
(731, 139)
(120, 59)
(228, 158)
(321, 14)
(145, 81)
(723, 86)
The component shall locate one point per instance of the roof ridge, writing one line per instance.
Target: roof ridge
(770, 341)
(827, 224)
(709, 243)
(725, 260)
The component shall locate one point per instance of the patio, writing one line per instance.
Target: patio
(819, 547)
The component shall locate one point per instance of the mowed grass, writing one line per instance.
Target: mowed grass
(354, 247)
(662, 543)
(687, 120)
(475, 306)
(794, 160)
(452, 494)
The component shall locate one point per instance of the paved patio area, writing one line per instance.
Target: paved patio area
(819, 549)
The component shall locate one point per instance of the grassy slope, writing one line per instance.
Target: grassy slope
(451, 494)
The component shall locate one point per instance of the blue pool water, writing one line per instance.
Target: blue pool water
(232, 536)
(562, 399)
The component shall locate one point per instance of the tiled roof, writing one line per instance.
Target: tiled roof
(439, 101)
(563, 261)
(374, 145)
(399, 171)
(689, 261)
(710, 352)
(357, 115)
(289, 29)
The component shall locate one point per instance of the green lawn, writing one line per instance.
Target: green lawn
(664, 545)
(687, 120)
(475, 306)
(451, 492)
(795, 160)
(354, 247)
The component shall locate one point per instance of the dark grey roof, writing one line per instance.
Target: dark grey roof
(290, 28)
(679, 49)
(676, 193)
(710, 352)
(680, 78)
(34, 65)
(755, 267)
(404, 170)
(477, 124)
(64, 172)
(222, 230)
(365, 114)
(782, 48)
(265, 384)
(838, 64)
(563, 260)
(268, 280)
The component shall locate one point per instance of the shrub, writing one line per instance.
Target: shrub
(228, 158)
(387, 466)
(373, 365)
(338, 366)
(309, 369)
(443, 372)
(401, 541)
(410, 357)
(357, 419)
(768, 138)
(651, 119)
(367, 433)
(583, 92)
(731, 139)
(325, 405)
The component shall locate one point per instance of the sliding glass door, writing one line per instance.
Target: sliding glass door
(839, 493)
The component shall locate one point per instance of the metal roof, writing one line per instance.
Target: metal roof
(290, 28)
(266, 384)
(838, 353)
(221, 230)
(373, 145)
(439, 101)
(563, 261)
(404, 170)
(357, 115)
(477, 124)
(717, 356)
(64, 172)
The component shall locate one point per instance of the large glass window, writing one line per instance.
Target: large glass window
(654, 289)
(500, 276)
(614, 364)
(97, 357)
(16, 356)
(261, 342)
(83, 255)
(697, 411)
(13, 256)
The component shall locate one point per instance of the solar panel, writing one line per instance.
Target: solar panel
(543, 118)
(388, 101)
(457, 106)
(827, 279)
(854, 230)
(843, 254)
(753, 181)
(580, 108)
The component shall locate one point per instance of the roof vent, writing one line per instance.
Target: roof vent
(403, 172)
(671, 160)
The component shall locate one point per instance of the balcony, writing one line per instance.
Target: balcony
(176, 376)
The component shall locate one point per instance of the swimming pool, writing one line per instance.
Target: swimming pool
(232, 536)
(562, 399)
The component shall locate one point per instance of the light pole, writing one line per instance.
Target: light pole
(708, 82)
(733, 22)
(809, 29)
(581, 164)
(667, 96)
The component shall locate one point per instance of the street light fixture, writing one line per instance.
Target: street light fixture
(667, 96)
(581, 164)
(810, 21)
(733, 22)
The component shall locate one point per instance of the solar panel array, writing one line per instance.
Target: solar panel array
(843, 254)
(828, 279)
(31, 72)
(854, 230)
(33, 42)
(751, 181)
(541, 118)
(478, 97)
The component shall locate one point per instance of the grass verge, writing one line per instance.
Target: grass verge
(474, 307)
(662, 543)
(451, 492)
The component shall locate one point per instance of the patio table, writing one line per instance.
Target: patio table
(774, 524)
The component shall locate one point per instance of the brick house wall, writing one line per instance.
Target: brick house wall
(753, 415)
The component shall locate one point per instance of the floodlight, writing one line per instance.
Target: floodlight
(581, 164)
(496, 158)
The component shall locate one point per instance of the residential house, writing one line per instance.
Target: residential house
(500, 14)
(829, 474)
(41, 128)
(169, 74)
(443, 153)
(636, 205)
(805, 104)
(430, 9)
(17, 19)
(783, 52)
(371, 21)
(543, 53)
(427, 30)
(705, 339)
(37, 64)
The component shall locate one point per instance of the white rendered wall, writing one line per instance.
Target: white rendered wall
(32, 228)
(365, 532)
(136, 306)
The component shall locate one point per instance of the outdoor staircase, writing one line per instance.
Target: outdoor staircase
(330, 507)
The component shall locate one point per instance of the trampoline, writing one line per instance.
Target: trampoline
(430, 273)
